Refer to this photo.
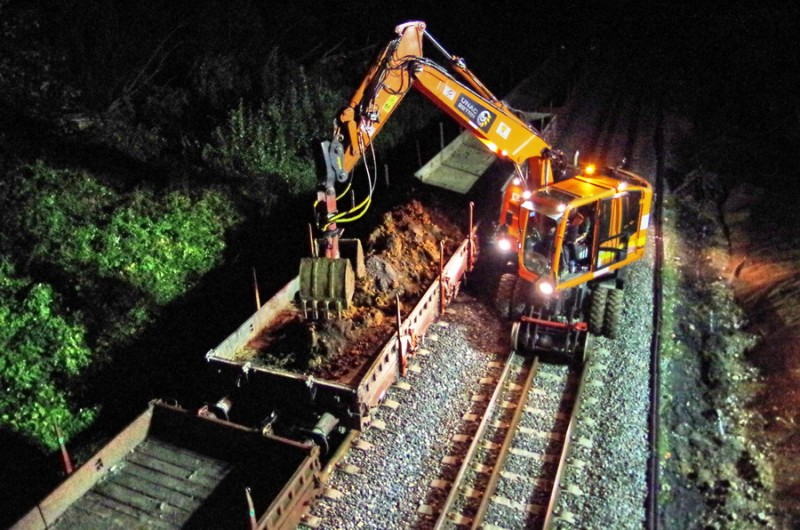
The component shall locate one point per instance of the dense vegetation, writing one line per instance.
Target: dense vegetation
(135, 145)
(93, 266)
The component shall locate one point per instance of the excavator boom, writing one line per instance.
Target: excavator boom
(535, 222)
(326, 278)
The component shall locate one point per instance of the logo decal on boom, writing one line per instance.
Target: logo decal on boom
(390, 102)
(475, 112)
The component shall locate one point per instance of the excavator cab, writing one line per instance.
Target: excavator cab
(583, 228)
(539, 243)
(574, 236)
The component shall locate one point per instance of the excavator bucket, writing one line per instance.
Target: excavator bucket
(327, 285)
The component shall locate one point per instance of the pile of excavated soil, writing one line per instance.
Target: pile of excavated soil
(764, 265)
(402, 260)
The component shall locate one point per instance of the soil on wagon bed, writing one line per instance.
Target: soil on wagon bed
(402, 260)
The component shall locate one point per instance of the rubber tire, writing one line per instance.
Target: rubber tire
(597, 310)
(613, 318)
(519, 298)
(503, 294)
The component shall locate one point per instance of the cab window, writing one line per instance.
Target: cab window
(538, 243)
(617, 223)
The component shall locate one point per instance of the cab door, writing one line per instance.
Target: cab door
(617, 223)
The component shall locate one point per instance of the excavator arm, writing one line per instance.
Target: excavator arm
(385, 85)
(399, 67)
(402, 66)
(490, 121)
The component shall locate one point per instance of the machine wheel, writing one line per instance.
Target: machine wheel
(613, 316)
(597, 310)
(505, 290)
(519, 298)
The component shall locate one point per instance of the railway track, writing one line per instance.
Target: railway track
(507, 472)
(518, 466)
(516, 449)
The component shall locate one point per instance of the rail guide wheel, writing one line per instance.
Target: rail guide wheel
(515, 327)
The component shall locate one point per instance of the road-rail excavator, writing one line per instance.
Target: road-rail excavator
(564, 232)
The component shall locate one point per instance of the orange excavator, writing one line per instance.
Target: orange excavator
(564, 232)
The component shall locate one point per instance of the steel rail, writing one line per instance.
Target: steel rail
(473, 448)
(555, 492)
(651, 503)
(494, 478)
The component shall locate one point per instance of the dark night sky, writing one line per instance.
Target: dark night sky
(691, 42)
(738, 40)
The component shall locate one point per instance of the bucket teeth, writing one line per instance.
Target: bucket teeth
(321, 309)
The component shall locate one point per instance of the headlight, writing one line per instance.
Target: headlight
(504, 244)
(546, 287)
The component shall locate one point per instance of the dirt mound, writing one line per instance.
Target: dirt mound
(403, 256)
(402, 259)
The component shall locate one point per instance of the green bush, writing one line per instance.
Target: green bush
(58, 213)
(118, 257)
(43, 351)
(271, 142)
(158, 244)
(162, 246)
(256, 143)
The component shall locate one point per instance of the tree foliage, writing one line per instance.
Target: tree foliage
(44, 350)
(159, 245)
(119, 257)
(162, 245)
(271, 141)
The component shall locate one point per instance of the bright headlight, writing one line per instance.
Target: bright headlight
(504, 244)
(546, 288)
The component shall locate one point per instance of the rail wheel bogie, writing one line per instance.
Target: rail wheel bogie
(552, 327)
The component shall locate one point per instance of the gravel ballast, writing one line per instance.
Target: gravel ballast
(395, 474)
(613, 420)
